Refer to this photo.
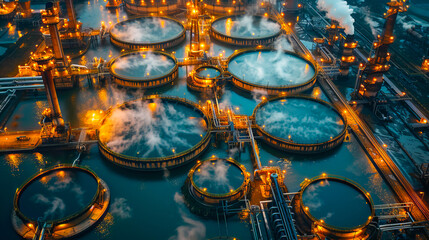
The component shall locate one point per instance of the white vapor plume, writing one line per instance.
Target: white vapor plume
(271, 68)
(340, 11)
(120, 208)
(146, 129)
(374, 25)
(145, 64)
(257, 94)
(282, 43)
(192, 229)
(247, 26)
(216, 173)
(147, 30)
(299, 121)
(195, 230)
(402, 19)
(57, 205)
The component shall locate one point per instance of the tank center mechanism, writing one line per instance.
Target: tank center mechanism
(53, 126)
(59, 202)
(154, 133)
(207, 79)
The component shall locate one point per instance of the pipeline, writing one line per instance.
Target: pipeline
(281, 217)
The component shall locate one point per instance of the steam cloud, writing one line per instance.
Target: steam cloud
(282, 43)
(193, 229)
(121, 208)
(65, 183)
(339, 11)
(147, 30)
(144, 132)
(145, 64)
(269, 69)
(247, 26)
(215, 174)
(57, 205)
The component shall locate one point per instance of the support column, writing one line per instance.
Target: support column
(51, 18)
(72, 16)
(44, 63)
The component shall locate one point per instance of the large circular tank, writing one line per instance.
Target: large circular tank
(144, 69)
(214, 181)
(154, 133)
(204, 78)
(140, 7)
(245, 30)
(68, 199)
(147, 32)
(336, 206)
(274, 71)
(299, 124)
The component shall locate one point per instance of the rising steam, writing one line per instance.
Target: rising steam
(299, 121)
(215, 174)
(191, 229)
(152, 129)
(147, 30)
(338, 10)
(143, 65)
(56, 205)
(247, 26)
(271, 68)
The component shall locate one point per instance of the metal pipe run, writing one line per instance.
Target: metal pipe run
(283, 209)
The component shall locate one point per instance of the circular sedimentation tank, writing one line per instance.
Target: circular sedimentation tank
(334, 206)
(154, 133)
(245, 30)
(68, 199)
(147, 33)
(299, 124)
(204, 78)
(152, 7)
(276, 72)
(214, 181)
(144, 69)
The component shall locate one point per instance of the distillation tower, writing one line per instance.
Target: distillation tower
(347, 57)
(370, 76)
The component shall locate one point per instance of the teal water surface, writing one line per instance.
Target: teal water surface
(299, 120)
(338, 204)
(58, 194)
